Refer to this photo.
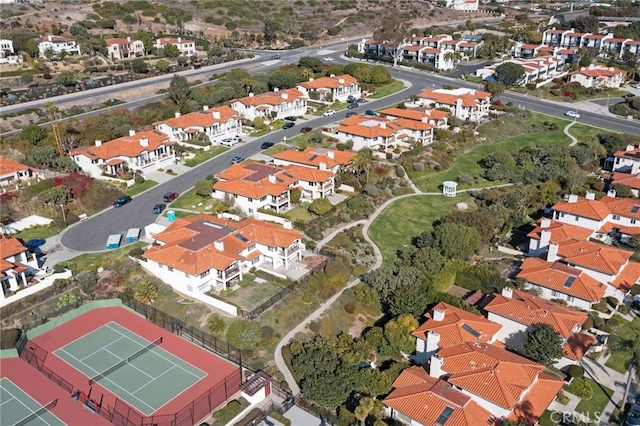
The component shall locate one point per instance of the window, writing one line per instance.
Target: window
(170, 268)
(633, 221)
(555, 293)
(186, 274)
(256, 260)
(263, 198)
(570, 299)
(235, 195)
(577, 218)
(205, 273)
(250, 210)
(251, 200)
(616, 217)
(251, 247)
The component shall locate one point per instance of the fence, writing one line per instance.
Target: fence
(282, 293)
(35, 356)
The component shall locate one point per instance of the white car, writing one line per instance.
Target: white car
(329, 113)
(328, 59)
(572, 114)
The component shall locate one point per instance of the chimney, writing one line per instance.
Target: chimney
(545, 238)
(251, 94)
(50, 38)
(573, 198)
(332, 75)
(310, 78)
(132, 132)
(425, 119)
(433, 339)
(285, 96)
(611, 193)
(179, 39)
(205, 107)
(272, 178)
(216, 115)
(144, 142)
(383, 125)
(507, 292)
(552, 252)
(545, 222)
(128, 39)
(438, 314)
(98, 143)
(630, 147)
(219, 245)
(176, 115)
(323, 166)
(275, 89)
(331, 154)
(590, 195)
(341, 80)
(287, 224)
(435, 367)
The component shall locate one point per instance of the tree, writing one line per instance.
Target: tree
(363, 162)
(33, 133)
(244, 334)
(32, 48)
(622, 191)
(395, 30)
(170, 51)
(282, 79)
(379, 75)
(162, 65)
(204, 188)
(455, 241)
(179, 88)
(311, 62)
(365, 406)
(26, 78)
(146, 291)
(146, 38)
(270, 30)
(509, 73)
(320, 206)
(542, 344)
(216, 324)
(139, 66)
(310, 31)
(56, 196)
(496, 89)
(67, 78)
(295, 195)
(398, 333)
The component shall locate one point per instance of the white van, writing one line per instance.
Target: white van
(229, 142)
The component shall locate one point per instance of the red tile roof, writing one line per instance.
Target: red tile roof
(10, 246)
(126, 146)
(171, 40)
(594, 256)
(423, 398)
(629, 277)
(577, 345)
(456, 326)
(536, 401)
(598, 72)
(528, 309)
(591, 209)
(10, 167)
(448, 97)
(313, 156)
(330, 82)
(201, 118)
(560, 232)
(271, 98)
(415, 114)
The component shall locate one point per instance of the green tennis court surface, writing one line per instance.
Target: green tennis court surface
(18, 408)
(146, 382)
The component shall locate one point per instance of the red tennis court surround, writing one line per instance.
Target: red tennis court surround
(220, 374)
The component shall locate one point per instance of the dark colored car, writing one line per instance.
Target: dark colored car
(370, 112)
(276, 56)
(629, 95)
(288, 125)
(635, 305)
(32, 245)
(266, 145)
(291, 118)
(352, 105)
(159, 208)
(350, 98)
(633, 416)
(170, 196)
(306, 129)
(125, 199)
(351, 113)
(362, 101)
(237, 159)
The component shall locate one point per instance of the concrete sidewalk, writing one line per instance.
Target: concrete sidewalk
(608, 378)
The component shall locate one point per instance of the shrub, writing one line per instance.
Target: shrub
(418, 167)
(623, 309)
(612, 301)
(371, 190)
(575, 371)
(349, 307)
(580, 388)
(615, 321)
(9, 338)
(601, 306)
(87, 280)
(320, 206)
(588, 324)
(58, 268)
(400, 171)
(136, 252)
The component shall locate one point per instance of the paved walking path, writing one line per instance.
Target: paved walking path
(574, 141)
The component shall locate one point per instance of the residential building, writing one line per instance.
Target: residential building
(124, 48)
(17, 264)
(465, 104)
(214, 123)
(627, 161)
(255, 185)
(436, 118)
(12, 172)
(331, 89)
(271, 105)
(529, 51)
(148, 150)
(447, 325)
(314, 157)
(605, 43)
(464, 5)
(419, 399)
(202, 253)
(519, 312)
(382, 134)
(539, 68)
(7, 53)
(598, 77)
(628, 179)
(57, 45)
(186, 47)
(507, 385)
(551, 231)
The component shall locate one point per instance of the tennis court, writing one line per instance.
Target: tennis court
(19, 409)
(134, 369)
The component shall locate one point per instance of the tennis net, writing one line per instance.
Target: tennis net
(127, 360)
(37, 413)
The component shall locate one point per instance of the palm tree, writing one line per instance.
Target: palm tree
(363, 162)
(363, 409)
(452, 56)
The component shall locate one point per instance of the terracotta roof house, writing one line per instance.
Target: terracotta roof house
(214, 123)
(12, 172)
(519, 311)
(505, 384)
(201, 253)
(434, 117)
(255, 185)
(539, 67)
(465, 104)
(271, 105)
(186, 47)
(381, 134)
(56, 45)
(419, 399)
(555, 280)
(627, 179)
(16, 265)
(627, 160)
(598, 77)
(331, 89)
(124, 48)
(147, 150)
(447, 325)
(314, 157)
(551, 231)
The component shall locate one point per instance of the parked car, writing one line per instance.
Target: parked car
(276, 56)
(125, 199)
(352, 105)
(170, 196)
(229, 142)
(32, 245)
(629, 95)
(328, 59)
(159, 208)
(291, 118)
(306, 129)
(288, 125)
(362, 101)
(266, 145)
(350, 98)
(329, 113)
(572, 114)
(371, 113)
(636, 86)
(633, 416)
(635, 305)
(237, 159)
(351, 113)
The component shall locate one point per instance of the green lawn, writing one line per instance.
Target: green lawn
(252, 294)
(38, 231)
(596, 404)
(203, 156)
(388, 89)
(274, 149)
(189, 200)
(299, 214)
(468, 162)
(138, 188)
(408, 217)
(336, 106)
(84, 261)
(630, 332)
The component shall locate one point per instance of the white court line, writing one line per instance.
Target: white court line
(128, 363)
(8, 400)
(154, 379)
(25, 406)
(86, 334)
(109, 380)
(100, 349)
(168, 360)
